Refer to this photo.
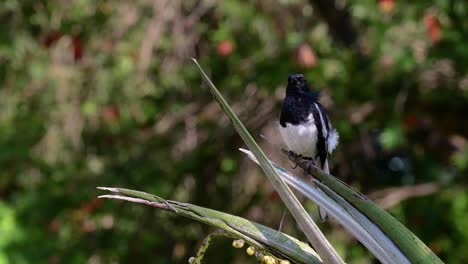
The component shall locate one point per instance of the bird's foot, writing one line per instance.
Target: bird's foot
(310, 164)
(294, 157)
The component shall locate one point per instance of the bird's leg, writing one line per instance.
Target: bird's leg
(294, 157)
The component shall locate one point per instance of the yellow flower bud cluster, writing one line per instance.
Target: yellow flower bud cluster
(251, 250)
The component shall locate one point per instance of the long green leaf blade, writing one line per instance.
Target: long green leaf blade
(260, 236)
(345, 214)
(414, 249)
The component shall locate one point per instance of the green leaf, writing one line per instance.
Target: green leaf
(345, 214)
(260, 236)
(414, 249)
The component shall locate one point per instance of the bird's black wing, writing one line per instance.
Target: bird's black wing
(322, 124)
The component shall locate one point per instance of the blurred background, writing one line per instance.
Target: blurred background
(102, 93)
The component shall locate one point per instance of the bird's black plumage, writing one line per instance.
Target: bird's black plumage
(298, 101)
(321, 144)
(304, 124)
(298, 106)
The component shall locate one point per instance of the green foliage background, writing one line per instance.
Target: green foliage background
(102, 93)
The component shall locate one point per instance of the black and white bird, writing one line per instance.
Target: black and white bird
(304, 125)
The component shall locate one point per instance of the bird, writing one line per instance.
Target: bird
(305, 127)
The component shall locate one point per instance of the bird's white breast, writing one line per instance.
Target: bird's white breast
(302, 138)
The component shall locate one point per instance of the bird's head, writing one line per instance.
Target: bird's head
(297, 85)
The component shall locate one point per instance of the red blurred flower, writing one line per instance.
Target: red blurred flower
(305, 56)
(225, 48)
(432, 25)
(77, 46)
(386, 5)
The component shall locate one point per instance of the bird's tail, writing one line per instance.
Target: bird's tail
(322, 213)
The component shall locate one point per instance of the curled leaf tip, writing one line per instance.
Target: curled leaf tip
(249, 154)
(110, 189)
(246, 151)
(195, 61)
(105, 196)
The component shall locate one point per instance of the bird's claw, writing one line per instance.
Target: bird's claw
(294, 157)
